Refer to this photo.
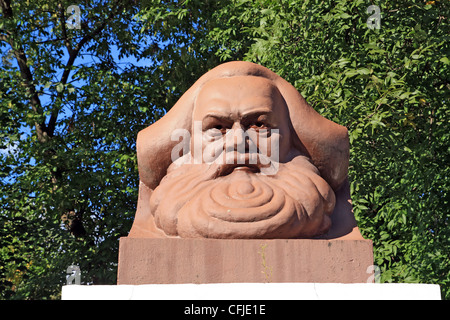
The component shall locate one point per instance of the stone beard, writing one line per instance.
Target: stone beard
(294, 203)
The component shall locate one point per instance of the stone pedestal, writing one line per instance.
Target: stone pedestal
(177, 261)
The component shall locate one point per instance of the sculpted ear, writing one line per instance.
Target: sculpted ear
(154, 148)
(324, 141)
(154, 144)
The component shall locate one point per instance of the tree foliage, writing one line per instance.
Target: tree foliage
(73, 100)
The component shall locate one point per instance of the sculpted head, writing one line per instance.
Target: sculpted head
(240, 155)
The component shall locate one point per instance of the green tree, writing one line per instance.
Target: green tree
(61, 204)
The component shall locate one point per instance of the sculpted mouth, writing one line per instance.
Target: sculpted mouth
(227, 169)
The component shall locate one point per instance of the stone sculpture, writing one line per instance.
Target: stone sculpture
(242, 155)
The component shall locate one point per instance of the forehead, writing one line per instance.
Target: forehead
(236, 95)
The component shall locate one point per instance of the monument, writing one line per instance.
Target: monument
(244, 195)
(243, 181)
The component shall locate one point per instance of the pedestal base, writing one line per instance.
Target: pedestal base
(176, 261)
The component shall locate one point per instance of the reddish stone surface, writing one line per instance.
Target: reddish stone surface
(171, 261)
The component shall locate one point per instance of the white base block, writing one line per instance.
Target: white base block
(255, 291)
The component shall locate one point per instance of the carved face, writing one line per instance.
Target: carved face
(235, 197)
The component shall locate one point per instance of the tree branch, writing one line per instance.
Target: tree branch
(4, 37)
(73, 53)
(44, 131)
(25, 71)
(62, 20)
(6, 8)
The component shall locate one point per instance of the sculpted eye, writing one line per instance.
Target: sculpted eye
(219, 127)
(216, 126)
(259, 125)
(216, 130)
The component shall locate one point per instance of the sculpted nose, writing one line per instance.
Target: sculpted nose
(239, 140)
